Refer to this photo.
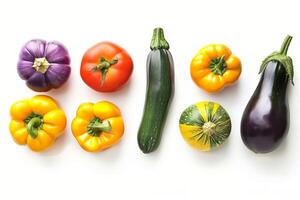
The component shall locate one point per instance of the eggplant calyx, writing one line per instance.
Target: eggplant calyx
(218, 65)
(41, 65)
(282, 58)
(97, 126)
(103, 67)
(158, 40)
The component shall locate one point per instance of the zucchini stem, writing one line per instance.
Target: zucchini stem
(158, 40)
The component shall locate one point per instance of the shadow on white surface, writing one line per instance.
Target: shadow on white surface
(57, 147)
(229, 91)
(61, 90)
(122, 92)
(107, 156)
(116, 97)
(271, 163)
(216, 156)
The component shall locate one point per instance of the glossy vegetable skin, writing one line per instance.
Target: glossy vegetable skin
(160, 83)
(205, 125)
(37, 122)
(105, 67)
(97, 126)
(44, 65)
(214, 67)
(265, 121)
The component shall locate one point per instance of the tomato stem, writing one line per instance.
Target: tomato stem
(103, 67)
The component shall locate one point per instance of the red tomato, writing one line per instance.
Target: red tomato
(105, 67)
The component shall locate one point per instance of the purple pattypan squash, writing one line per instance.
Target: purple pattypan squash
(44, 65)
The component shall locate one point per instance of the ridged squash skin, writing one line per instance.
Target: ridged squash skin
(205, 125)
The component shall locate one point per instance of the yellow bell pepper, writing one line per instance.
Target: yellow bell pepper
(97, 126)
(36, 122)
(214, 66)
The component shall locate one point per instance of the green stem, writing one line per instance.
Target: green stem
(218, 65)
(282, 58)
(158, 40)
(33, 126)
(103, 67)
(96, 126)
(285, 45)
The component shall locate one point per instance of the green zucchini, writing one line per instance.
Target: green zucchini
(160, 89)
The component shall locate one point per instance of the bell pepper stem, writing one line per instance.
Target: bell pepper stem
(221, 62)
(285, 45)
(96, 127)
(218, 65)
(33, 126)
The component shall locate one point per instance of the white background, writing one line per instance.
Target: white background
(252, 29)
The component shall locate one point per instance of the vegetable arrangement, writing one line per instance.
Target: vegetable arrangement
(160, 88)
(37, 122)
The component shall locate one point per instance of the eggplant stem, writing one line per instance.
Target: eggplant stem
(285, 45)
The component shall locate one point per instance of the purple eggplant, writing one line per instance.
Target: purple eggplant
(44, 65)
(265, 121)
